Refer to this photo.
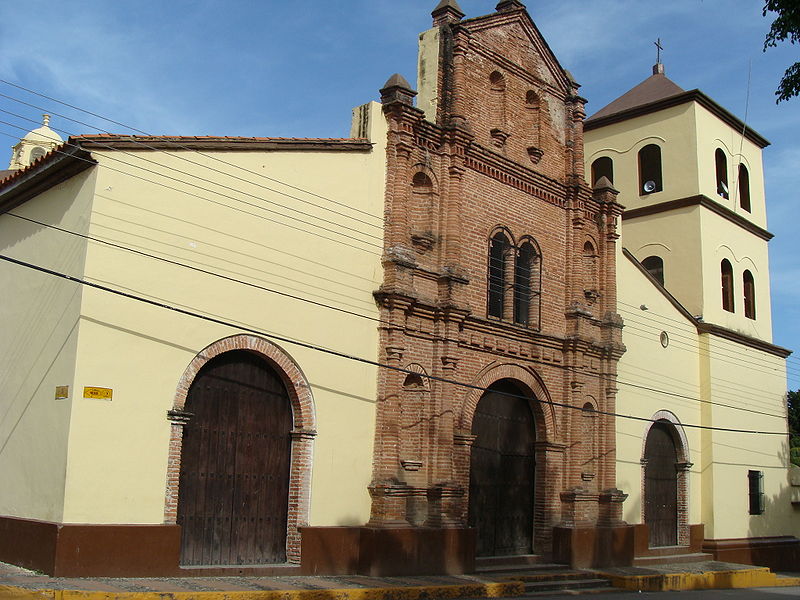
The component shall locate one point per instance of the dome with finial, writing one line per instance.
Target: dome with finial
(34, 145)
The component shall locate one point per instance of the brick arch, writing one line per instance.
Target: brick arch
(541, 404)
(303, 433)
(684, 464)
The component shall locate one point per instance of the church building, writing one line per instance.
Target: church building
(481, 326)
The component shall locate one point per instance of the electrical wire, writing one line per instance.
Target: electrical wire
(339, 354)
(182, 146)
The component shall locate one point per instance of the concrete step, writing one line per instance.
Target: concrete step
(666, 559)
(587, 583)
(486, 563)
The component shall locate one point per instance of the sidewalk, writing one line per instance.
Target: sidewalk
(20, 584)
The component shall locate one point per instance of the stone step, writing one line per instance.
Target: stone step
(526, 560)
(502, 568)
(586, 583)
(643, 561)
(534, 576)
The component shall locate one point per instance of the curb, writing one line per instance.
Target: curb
(438, 592)
(675, 582)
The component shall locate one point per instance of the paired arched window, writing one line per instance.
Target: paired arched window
(655, 266)
(602, 167)
(749, 287)
(721, 162)
(727, 285)
(499, 249)
(744, 188)
(514, 280)
(650, 180)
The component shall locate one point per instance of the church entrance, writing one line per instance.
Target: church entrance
(234, 476)
(501, 489)
(661, 485)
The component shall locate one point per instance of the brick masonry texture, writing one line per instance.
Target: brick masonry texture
(505, 154)
(302, 435)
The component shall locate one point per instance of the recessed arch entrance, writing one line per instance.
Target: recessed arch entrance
(240, 455)
(665, 469)
(502, 471)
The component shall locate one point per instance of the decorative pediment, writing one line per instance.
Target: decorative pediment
(522, 45)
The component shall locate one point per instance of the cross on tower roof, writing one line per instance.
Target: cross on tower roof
(658, 68)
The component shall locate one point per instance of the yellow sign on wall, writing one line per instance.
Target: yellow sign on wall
(62, 392)
(96, 393)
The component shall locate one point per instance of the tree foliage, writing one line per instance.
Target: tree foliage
(786, 26)
(793, 401)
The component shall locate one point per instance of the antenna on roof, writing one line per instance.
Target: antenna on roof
(737, 171)
(658, 68)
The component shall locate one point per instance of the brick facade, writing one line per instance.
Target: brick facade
(504, 154)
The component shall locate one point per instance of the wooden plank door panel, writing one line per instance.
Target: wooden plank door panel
(234, 483)
(502, 472)
(661, 486)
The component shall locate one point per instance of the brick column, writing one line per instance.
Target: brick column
(178, 420)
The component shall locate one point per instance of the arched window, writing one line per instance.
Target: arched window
(527, 285)
(749, 286)
(602, 167)
(744, 188)
(650, 170)
(727, 285)
(499, 247)
(655, 266)
(721, 162)
(36, 154)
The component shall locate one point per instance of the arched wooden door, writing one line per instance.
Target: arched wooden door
(234, 478)
(502, 465)
(661, 485)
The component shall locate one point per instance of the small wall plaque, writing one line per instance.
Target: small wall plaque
(97, 393)
(62, 392)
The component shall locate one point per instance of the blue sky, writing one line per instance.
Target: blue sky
(295, 69)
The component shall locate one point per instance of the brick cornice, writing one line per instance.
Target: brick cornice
(705, 202)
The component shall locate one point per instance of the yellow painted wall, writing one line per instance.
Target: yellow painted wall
(753, 380)
(646, 367)
(39, 314)
(712, 382)
(722, 239)
(673, 129)
(712, 133)
(675, 236)
(118, 449)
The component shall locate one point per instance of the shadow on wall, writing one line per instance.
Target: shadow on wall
(773, 533)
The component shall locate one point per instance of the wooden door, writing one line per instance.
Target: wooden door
(661, 486)
(501, 490)
(234, 480)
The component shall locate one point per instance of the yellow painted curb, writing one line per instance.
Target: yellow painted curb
(745, 578)
(440, 592)
(8, 592)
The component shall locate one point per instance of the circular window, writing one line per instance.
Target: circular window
(664, 337)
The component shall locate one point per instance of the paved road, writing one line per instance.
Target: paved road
(740, 594)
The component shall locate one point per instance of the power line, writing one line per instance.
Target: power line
(377, 320)
(188, 193)
(183, 146)
(337, 353)
(171, 169)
